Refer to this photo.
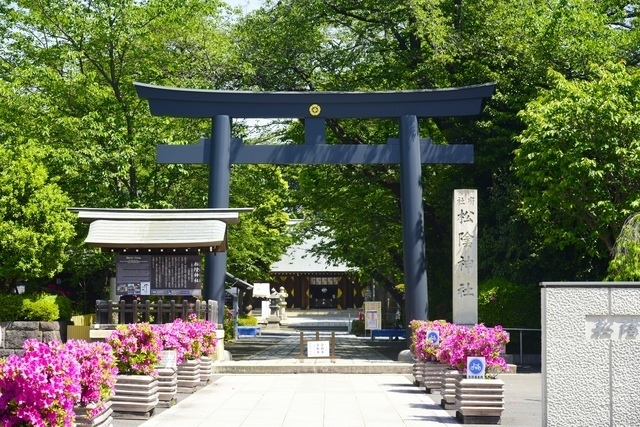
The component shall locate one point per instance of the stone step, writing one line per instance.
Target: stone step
(309, 367)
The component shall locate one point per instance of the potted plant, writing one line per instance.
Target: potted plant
(479, 341)
(136, 348)
(97, 381)
(207, 343)
(427, 367)
(175, 343)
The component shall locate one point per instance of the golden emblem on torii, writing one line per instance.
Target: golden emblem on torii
(314, 109)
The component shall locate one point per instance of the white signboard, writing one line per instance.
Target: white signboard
(261, 290)
(265, 310)
(465, 257)
(168, 359)
(318, 349)
(371, 319)
(372, 315)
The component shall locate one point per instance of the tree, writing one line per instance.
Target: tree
(260, 238)
(78, 60)
(35, 227)
(358, 45)
(579, 159)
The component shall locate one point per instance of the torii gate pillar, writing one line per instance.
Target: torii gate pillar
(413, 243)
(219, 184)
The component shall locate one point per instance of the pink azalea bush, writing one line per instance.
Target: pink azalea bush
(478, 341)
(206, 335)
(97, 373)
(424, 350)
(41, 387)
(136, 348)
(190, 339)
(175, 336)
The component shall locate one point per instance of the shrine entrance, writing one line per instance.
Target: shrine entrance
(314, 108)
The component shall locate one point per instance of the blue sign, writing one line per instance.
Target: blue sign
(433, 336)
(476, 367)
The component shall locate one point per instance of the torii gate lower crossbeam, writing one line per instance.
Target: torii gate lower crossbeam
(315, 107)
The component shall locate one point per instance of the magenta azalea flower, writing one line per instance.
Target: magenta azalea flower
(40, 387)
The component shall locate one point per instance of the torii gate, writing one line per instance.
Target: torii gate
(315, 107)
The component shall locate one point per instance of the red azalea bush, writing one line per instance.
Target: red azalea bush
(206, 335)
(190, 339)
(459, 342)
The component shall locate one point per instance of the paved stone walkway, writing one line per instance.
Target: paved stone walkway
(331, 400)
(272, 387)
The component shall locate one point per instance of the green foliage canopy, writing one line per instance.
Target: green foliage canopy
(74, 64)
(579, 158)
(35, 227)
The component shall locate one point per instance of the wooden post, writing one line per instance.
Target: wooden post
(121, 312)
(333, 344)
(198, 309)
(147, 311)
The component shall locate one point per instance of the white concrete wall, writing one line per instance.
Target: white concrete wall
(591, 354)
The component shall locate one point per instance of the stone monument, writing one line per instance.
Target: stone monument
(465, 257)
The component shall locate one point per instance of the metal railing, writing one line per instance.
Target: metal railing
(521, 342)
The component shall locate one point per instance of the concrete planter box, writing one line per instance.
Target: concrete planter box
(418, 372)
(479, 401)
(433, 376)
(167, 385)
(188, 376)
(136, 396)
(102, 419)
(206, 369)
(448, 389)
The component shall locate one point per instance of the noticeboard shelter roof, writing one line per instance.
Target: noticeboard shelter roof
(148, 230)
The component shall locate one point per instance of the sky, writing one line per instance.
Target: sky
(246, 5)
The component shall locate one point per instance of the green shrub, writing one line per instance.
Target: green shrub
(10, 307)
(227, 325)
(357, 327)
(246, 320)
(65, 307)
(501, 302)
(41, 307)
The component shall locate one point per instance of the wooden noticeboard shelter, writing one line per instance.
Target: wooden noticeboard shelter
(158, 251)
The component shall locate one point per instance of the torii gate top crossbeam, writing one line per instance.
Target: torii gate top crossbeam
(180, 102)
